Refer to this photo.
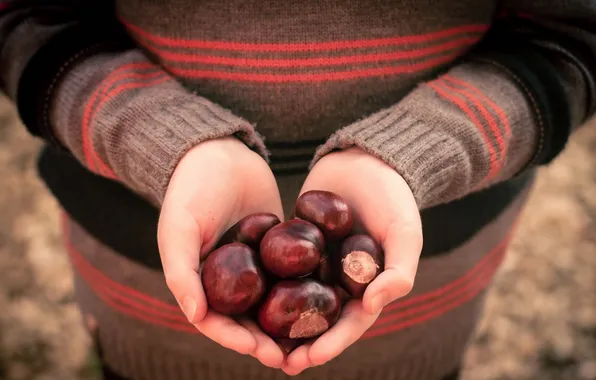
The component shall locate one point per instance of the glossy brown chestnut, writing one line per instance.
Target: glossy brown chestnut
(361, 261)
(326, 210)
(232, 280)
(343, 295)
(287, 345)
(325, 271)
(292, 248)
(250, 230)
(299, 309)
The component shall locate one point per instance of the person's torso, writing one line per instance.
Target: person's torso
(300, 70)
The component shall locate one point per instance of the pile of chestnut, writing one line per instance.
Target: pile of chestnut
(292, 277)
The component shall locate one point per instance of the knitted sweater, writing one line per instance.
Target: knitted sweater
(455, 95)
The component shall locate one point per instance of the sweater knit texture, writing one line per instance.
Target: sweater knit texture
(143, 335)
(416, 83)
(464, 99)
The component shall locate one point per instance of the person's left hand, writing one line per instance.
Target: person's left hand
(384, 207)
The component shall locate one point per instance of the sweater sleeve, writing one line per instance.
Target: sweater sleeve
(507, 106)
(79, 82)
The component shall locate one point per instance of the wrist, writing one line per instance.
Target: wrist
(225, 153)
(353, 159)
(351, 167)
(231, 157)
(227, 145)
(140, 136)
(428, 157)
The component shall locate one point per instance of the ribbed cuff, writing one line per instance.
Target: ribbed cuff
(127, 119)
(53, 60)
(429, 161)
(161, 135)
(467, 130)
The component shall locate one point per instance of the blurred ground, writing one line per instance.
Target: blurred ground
(540, 322)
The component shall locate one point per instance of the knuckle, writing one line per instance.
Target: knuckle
(418, 243)
(173, 281)
(406, 286)
(413, 233)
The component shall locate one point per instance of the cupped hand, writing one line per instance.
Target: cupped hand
(385, 209)
(215, 184)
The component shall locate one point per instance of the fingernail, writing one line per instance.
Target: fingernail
(189, 307)
(378, 302)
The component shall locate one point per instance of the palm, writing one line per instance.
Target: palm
(385, 209)
(214, 186)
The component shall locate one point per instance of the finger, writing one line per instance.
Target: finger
(298, 360)
(228, 333)
(402, 245)
(353, 322)
(267, 351)
(291, 371)
(179, 244)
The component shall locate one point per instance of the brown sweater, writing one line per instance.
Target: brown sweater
(455, 95)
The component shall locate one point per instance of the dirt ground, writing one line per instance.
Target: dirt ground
(540, 321)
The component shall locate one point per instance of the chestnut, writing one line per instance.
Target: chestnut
(299, 309)
(288, 345)
(292, 248)
(361, 261)
(232, 280)
(343, 295)
(326, 210)
(325, 271)
(250, 229)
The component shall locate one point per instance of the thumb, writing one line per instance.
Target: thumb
(179, 241)
(402, 245)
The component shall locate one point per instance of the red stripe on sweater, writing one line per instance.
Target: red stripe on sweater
(464, 107)
(496, 132)
(120, 302)
(300, 47)
(468, 277)
(126, 310)
(126, 300)
(311, 62)
(468, 295)
(114, 294)
(101, 282)
(312, 77)
(495, 107)
(158, 77)
(480, 277)
(88, 151)
(128, 306)
(99, 276)
(470, 290)
(188, 328)
(93, 278)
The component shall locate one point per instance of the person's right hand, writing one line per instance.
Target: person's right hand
(216, 183)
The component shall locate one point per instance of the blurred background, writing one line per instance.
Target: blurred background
(540, 320)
